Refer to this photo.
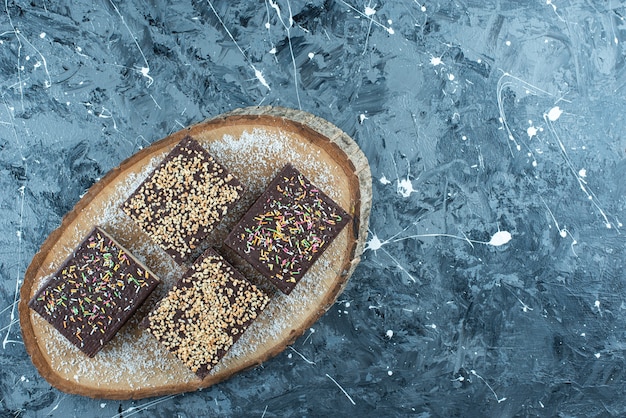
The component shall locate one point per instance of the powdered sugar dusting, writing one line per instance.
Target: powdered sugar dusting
(134, 359)
(275, 322)
(253, 154)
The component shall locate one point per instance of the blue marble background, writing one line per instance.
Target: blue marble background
(479, 118)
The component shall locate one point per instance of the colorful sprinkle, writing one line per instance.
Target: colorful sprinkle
(96, 300)
(288, 228)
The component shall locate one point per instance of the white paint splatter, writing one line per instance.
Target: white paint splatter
(488, 385)
(405, 187)
(287, 28)
(369, 11)
(374, 244)
(384, 180)
(342, 389)
(389, 333)
(261, 78)
(554, 114)
(500, 238)
(144, 72)
(435, 61)
(18, 281)
(311, 55)
(257, 73)
(531, 131)
(301, 355)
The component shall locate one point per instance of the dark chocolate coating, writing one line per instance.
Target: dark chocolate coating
(94, 292)
(288, 227)
(183, 199)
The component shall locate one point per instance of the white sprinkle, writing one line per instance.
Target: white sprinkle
(347, 304)
(102, 405)
(508, 43)
(464, 137)
(311, 55)
(451, 77)
(273, 51)
(531, 131)
(554, 113)
(42, 35)
(597, 355)
(362, 117)
(389, 373)
(267, 25)
(389, 333)
(582, 172)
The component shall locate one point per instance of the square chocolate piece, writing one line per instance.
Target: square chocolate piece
(96, 290)
(183, 199)
(287, 229)
(205, 313)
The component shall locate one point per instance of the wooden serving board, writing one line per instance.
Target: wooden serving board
(254, 144)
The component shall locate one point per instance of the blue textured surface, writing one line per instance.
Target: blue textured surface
(476, 117)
